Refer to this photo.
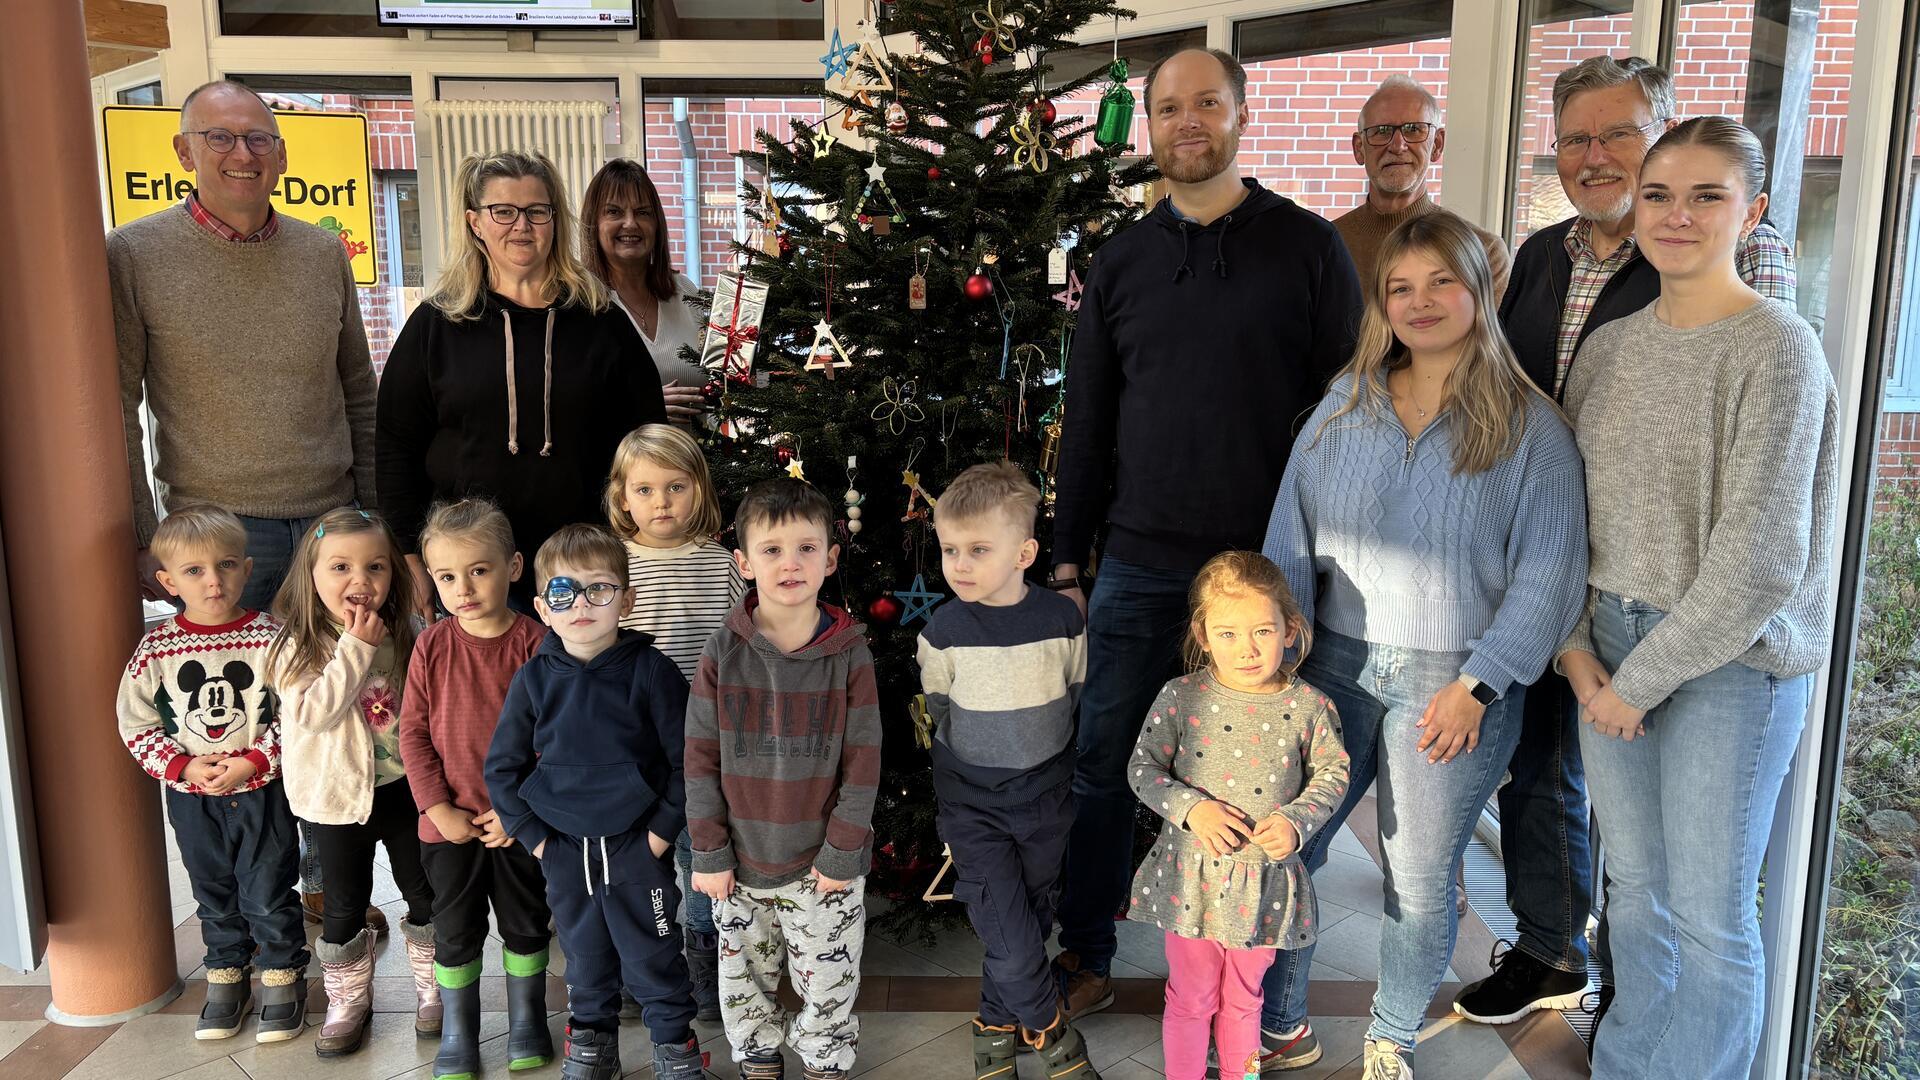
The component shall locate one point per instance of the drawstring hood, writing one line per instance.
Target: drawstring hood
(1186, 251)
(546, 388)
(1258, 201)
(1220, 259)
(586, 862)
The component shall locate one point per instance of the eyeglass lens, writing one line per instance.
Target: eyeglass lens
(507, 213)
(1413, 132)
(562, 592)
(220, 140)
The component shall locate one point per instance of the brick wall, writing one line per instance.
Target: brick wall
(1899, 454)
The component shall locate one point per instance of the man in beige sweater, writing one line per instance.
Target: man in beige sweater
(240, 327)
(1400, 137)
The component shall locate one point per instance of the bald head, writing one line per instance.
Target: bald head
(230, 99)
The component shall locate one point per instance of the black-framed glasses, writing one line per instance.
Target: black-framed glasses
(1414, 131)
(506, 213)
(1611, 140)
(221, 141)
(563, 591)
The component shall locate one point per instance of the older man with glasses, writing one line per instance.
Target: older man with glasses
(1568, 280)
(240, 327)
(1399, 138)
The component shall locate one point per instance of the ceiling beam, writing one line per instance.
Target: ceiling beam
(126, 24)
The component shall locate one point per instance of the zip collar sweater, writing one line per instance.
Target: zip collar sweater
(590, 749)
(1197, 350)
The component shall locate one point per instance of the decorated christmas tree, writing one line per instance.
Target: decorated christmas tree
(907, 310)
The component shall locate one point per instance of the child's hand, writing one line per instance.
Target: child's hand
(492, 833)
(234, 772)
(1219, 826)
(718, 886)
(204, 771)
(1277, 837)
(824, 884)
(539, 849)
(454, 825)
(657, 846)
(365, 623)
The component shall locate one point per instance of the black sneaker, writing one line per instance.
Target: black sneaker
(591, 1055)
(1596, 1003)
(678, 1061)
(1518, 986)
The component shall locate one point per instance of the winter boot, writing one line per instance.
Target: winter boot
(763, 1067)
(459, 987)
(228, 1000)
(1062, 1051)
(678, 1061)
(591, 1055)
(283, 1006)
(529, 1046)
(426, 992)
(347, 973)
(994, 1046)
(703, 966)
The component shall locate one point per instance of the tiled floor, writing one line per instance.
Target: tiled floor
(915, 1019)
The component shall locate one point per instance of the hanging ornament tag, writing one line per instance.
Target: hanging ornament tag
(917, 292)
(1057, 266)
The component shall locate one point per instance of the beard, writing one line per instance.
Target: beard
(1400, 181)
(1194, 169)
(1599, 206)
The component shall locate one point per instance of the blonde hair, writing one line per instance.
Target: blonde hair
(460, 292)
(471, 518)
(1487, 388)
(671, 448)
(198, 528)
(580, 547)
(984, 489)
(1233, 574)
(307, 635)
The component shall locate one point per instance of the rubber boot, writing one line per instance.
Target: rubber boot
(591, 1055)
(426, 991)
(347, 973)
(529, 1046)
(459, 987)
(703, 967)
(1062, 1051)
(994, 1047)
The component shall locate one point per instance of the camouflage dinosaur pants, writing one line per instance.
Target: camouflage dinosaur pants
(816, 938)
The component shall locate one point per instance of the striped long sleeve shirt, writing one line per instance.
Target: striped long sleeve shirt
(681, 596)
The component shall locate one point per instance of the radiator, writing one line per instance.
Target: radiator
(570, 133)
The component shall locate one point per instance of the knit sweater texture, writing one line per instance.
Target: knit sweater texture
(1264, 755)
(1364, 229)
(192, 690)
(1382, 541)
(783, 753)
(456, 685)
(339, 731)
(1001, 684)
(681, 596)
(1730, 532)
(254, 361)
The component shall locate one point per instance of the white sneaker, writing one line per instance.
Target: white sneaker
(1385, 1060)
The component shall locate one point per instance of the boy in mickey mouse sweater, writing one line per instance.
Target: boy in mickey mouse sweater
(196, 714)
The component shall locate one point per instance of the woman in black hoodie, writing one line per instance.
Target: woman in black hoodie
(518, 377)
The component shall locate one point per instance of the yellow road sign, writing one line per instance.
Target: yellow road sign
(328, 181)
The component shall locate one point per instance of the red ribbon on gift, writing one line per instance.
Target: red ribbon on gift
(735, 334)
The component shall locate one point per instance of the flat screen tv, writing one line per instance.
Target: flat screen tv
(509, 14)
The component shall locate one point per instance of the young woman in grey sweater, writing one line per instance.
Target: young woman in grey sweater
(1708, 424)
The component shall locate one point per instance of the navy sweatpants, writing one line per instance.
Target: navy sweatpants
(1007, 863)
(613, 906)
(242, 861)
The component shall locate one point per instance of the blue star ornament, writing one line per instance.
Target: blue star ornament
(919, 599)
(837, 56)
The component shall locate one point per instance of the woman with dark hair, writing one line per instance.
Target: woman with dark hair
(625, 230)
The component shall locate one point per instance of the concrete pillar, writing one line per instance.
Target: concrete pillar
(68, 521)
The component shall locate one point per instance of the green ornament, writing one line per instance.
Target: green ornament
(1115, 124)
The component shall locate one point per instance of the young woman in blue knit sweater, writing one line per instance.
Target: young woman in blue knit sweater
(1432, 524)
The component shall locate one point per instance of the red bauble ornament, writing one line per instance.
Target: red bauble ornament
(884, 610)
(933, 172)
(710, 393)
(783, 454)
(978, 286)
(740, 378)
(1043, 110)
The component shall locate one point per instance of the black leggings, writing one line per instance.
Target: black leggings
(346, 861)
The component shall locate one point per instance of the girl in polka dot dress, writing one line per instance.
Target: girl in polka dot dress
(1245, 762)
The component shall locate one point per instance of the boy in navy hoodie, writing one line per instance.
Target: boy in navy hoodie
(585, 771)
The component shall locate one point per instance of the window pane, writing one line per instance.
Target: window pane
(1560, 33)
(694, 129)
(1866, 1018)
(144, 94)
(1309, 72)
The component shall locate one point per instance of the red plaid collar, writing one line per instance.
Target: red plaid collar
(224, 231)
(1580, 240)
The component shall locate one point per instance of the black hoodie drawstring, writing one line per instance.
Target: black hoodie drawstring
(1186, 251)
(1220, 260)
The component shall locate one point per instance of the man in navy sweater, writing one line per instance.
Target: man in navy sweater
(1207, 331)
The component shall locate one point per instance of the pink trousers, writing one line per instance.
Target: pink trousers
(1212, 990)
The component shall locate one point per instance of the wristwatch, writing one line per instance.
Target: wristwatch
(1481, 692)
(1063, 584)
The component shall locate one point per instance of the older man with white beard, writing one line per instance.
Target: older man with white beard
(1568, 280)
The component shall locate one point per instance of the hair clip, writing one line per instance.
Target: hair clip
(319, 532)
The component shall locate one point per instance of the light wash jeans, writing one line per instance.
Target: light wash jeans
(1686, 812)
(1426, 813)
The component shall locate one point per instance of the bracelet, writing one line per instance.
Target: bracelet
(1062, 584)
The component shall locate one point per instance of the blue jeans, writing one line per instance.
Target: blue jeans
(1687, 811)
(1136, 621)
(1427, 812)
(1544, 840)
(696, 907)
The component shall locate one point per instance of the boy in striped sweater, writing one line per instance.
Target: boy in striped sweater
(196, 713)
(782, 765)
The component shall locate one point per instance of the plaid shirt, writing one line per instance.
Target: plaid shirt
(1764, 260)
(224, 231)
